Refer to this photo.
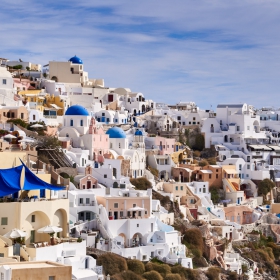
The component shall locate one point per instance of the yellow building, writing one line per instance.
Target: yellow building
(43, 102)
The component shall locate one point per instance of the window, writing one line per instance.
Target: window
(182, 188)
(22, 115)
(248, 127)
(71, 123)
(4, 221)
(176, 188)
(4, 81)
(87, 201)
(33, 219)
(240, 166)
(121, 213)
(210, 176)
(146, 212)
(204, 190)
(81, 200)
(178, 118)
(248, 166)
(81, 123)
(2, 275)
(51, 277)
(238, 128)
(116, 205)
(134, 205)
(103, 114)
(217, 176)
(139, 213)
(193, 118)
(105, 175)
(137, 225)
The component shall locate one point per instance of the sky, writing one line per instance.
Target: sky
(208, 52)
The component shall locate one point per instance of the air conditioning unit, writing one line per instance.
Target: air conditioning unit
(60, 260)
(68, 253)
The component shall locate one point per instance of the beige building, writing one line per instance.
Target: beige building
(30, 216)
(127, 206)
(35, 270)
(7, 113)
(71, 71)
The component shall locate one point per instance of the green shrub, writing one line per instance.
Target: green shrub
(199, 262)
(136, 266)
(112, 264)
(185, 273)
(154, 171)
(232, 275)
(141, 183)
(213, 273)
(126, 275)
(152, 275)
(193, 239)
(203, 162)
(163, 269)
(18, 122)
(275, 249)
(172, 277)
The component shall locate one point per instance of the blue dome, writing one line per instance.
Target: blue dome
(76, 60)
(76, 110)
(138, 133)
(116, 132)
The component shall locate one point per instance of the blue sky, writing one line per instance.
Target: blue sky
(209, 52)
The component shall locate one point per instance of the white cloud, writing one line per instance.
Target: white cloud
(208, 52)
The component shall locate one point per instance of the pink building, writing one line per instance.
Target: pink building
(165, 145)
(100, 141)
(23, 84)
(239, 214)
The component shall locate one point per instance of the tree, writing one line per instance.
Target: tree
(215, 195)
(199, 142)
(28, 69)
(265, 187)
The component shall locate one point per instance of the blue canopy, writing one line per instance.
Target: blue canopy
(32, 182)
(10, 180)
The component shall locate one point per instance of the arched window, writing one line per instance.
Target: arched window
(81, 123)
(71, 123)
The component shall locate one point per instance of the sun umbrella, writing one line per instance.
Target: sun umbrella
(26, 140)
(49, 229)
(36, 125)
(10, 136)
(15, 233)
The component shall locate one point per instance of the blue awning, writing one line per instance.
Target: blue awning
(10, 180)
(32, 182)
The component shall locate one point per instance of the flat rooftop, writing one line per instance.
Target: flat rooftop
(27, 265)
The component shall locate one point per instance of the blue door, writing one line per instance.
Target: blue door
(42, 193)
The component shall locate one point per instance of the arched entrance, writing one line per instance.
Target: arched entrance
(32, 223)
(124, 239)
(136, 239)
(60, 220)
